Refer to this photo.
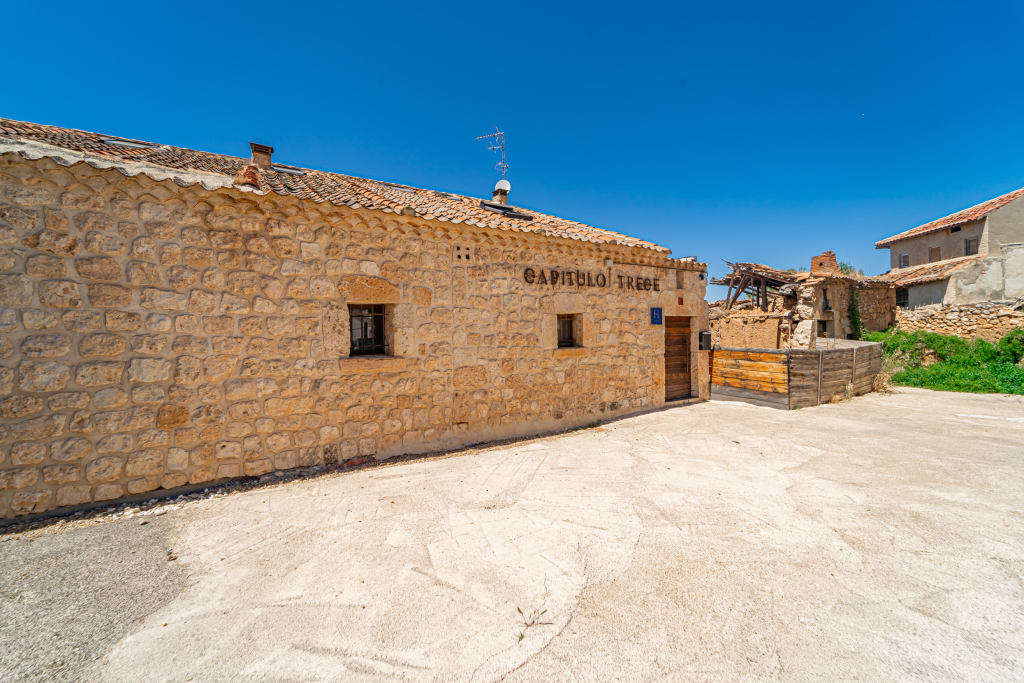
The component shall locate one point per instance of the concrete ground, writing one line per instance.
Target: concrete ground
(874, 540)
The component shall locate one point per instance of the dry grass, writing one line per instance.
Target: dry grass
(845, 396)
(882, 383)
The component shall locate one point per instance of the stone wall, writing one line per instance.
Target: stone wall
(990, 322)
(156, 336)
(750, 331)
(877, 305)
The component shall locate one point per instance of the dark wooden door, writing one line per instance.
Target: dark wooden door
(677, 357)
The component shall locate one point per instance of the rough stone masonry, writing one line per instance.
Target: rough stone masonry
(155, 335)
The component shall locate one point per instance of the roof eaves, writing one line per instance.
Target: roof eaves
(968, 215)
(926, 272)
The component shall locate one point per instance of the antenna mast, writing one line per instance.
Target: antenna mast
(497, 144)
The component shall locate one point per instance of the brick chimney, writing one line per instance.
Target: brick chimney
(501, 192)
(826, 263)
(261, 155)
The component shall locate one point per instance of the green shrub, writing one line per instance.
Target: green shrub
(1011, 347)
(947, 363)
(853, 313)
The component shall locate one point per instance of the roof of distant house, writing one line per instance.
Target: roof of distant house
(959, 218)
(927, 272)
(187, 167)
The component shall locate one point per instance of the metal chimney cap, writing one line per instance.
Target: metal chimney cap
(503, 185)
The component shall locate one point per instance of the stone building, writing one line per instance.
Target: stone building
(793, 309)
(172, 318)
(972, 256)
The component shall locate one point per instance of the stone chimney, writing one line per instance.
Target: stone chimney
(826, 263)
(501, 192)
(261, 155)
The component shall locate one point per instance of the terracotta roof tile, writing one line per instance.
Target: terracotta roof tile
(959, 218)
(928, 272)
(319, 186)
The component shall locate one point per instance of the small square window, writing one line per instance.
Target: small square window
(902, 297)
(971, 246)
(822, 328)
(934, 254)
(566, 331)
(904, 260)
(367, 325)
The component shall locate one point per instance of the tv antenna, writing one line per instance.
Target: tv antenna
(498, 143)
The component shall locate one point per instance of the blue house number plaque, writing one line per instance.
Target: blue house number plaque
(655, 316)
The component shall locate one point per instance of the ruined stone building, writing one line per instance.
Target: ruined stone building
(973, 256)
(172, 317)
(793, 309)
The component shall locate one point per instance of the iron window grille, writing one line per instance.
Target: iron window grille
(367, 325)
(971, 246)
(566, 331)
(902, 297)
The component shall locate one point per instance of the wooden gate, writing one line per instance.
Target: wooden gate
(677, 358)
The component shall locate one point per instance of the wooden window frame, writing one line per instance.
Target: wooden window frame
(566, 323)
(375, 316)
(902, 297)
(967, 246)
(902, 263)
(934, 254)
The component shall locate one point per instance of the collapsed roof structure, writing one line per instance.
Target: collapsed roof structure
(791, 309)
(758, 281)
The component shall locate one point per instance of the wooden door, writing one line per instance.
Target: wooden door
(677, 357)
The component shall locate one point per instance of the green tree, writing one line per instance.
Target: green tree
(848, 269)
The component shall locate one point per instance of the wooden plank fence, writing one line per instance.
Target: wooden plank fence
(758, 376)
(794, 378)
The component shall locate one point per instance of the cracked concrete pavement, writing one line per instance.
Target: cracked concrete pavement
(873, 540)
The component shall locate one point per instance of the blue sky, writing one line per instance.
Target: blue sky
(747, 131)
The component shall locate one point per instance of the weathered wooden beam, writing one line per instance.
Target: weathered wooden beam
(739, 290)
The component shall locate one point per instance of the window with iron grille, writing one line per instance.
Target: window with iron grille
(902, 297)
(367, 324)
(566, 331)
(971, 246)
(904, 260)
